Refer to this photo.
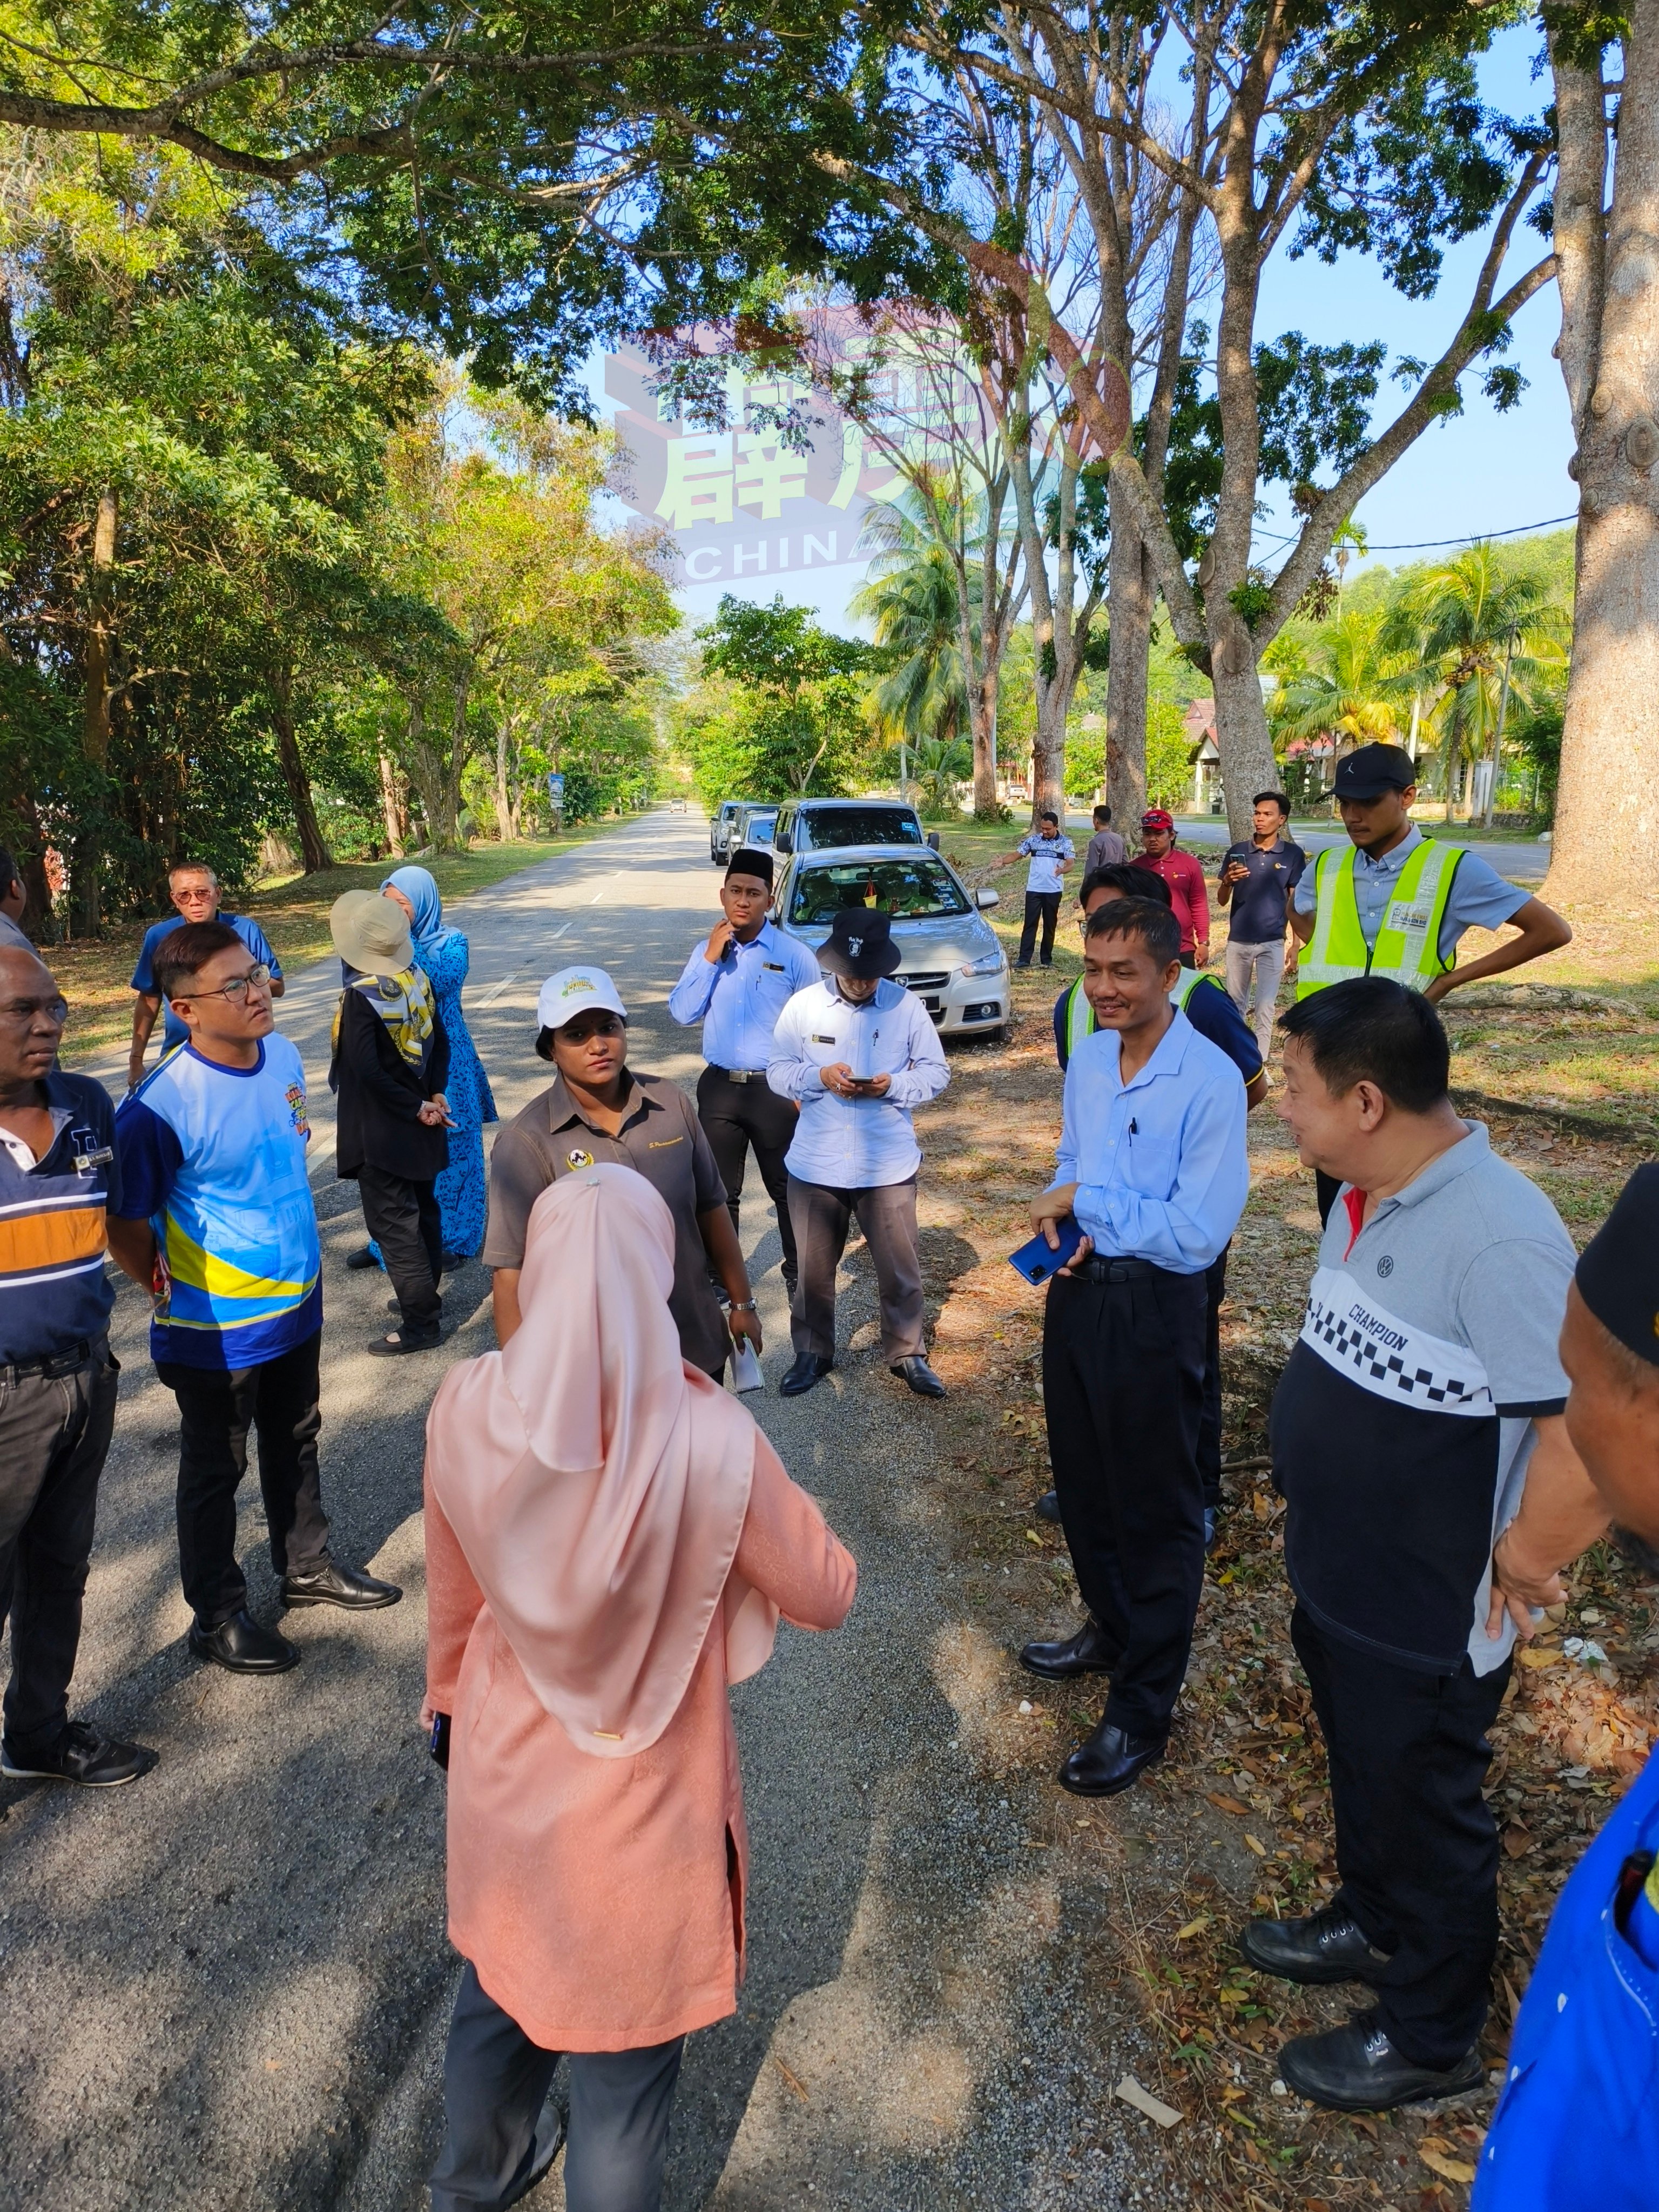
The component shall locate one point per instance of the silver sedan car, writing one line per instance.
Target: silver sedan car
(951, 958)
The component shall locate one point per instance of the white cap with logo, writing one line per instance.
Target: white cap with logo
(575, 991)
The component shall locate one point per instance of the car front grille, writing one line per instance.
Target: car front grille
(927, 982)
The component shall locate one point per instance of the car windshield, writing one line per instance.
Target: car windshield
(760, 826)
(856, 825)
(912, 890)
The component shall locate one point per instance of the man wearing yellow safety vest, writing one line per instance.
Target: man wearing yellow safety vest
(1394, 903)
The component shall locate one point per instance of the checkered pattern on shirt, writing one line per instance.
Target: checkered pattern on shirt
(1340, 1340)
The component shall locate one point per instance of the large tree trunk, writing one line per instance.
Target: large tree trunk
(1607, 814)
(1129, 605)
(1240, 727)
(394, 806)
(95, 726)
(314, 852)
(505, 832)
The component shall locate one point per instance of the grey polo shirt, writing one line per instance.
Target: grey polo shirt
(662, 1140)
(1404, 1420)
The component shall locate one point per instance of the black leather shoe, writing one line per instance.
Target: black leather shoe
(1355, 2068)
(1110, 1761)
(915, 1370)
(1328, 1947)
(336, 1585)
(809, 1368)
(96, 1762)
(1088, 1652)
(243, 1646)
(1048, 1507)
(402, 1341)
(362, 1258)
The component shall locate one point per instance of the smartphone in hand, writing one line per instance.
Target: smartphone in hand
(1039, 1259)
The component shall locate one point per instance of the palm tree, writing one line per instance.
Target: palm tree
(1481, 638)
(1351, 690)
(942, 765)
(911, 600)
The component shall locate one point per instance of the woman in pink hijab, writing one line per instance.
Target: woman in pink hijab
(610, 1542)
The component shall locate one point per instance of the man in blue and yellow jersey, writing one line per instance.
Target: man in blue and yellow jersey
(1394, 903)
(57, 1376)
(215, 1218)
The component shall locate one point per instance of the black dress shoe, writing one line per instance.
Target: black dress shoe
(809, 1369)
(1110, 1761)
(1355, 2068)
(1088, 1652)
(243, 1646)
(402, 1341)
(915, 1370)
(1327, 1947)
(362, 1257)
(1048, 1508)
(96, 1762)
(336, 1585)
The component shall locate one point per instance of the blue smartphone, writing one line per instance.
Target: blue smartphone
(1038, 1260)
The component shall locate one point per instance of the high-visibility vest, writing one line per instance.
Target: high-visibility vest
(1080, 1015)
(1407, 947)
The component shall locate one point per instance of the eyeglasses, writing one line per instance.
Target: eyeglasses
(25, 1010)
(237, 989)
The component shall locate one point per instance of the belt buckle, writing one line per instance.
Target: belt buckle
(737, 1074)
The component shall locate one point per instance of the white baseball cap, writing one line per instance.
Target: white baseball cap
(575, 991)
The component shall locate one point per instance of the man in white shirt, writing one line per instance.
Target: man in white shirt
(858, 1053)
(1050, 853)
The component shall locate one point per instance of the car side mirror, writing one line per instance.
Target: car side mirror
(781, 841)
(933, 841)
(984, 898)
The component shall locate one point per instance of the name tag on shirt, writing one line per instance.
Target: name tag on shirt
(824, 1040)
(661, 1144)
(773, 967)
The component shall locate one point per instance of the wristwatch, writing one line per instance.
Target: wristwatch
(742, 1305)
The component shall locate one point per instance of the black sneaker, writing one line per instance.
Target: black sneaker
(96, 1762)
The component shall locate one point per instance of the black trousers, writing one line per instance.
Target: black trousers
(403, 1220)
(1209, 1426)
(1416, 1845)
(279, 1401)
(54, 1437)
(1123, 1391)
(495, 2082)
(1044, 907)
(734, 1116)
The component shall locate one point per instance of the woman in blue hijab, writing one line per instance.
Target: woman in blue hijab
(462, 1191)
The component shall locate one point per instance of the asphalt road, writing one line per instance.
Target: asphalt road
(225, 1988)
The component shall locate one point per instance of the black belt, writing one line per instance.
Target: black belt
(54, 1364)
(1099, 1267)
(738, 1074)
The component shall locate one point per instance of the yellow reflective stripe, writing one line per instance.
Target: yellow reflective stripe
(1079, 1018)
(1183, 990)
(1407, 947)
(1337, 947)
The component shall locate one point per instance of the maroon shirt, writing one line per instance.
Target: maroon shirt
(1187, 893)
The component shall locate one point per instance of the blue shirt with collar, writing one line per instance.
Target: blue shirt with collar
(173, 1031)
(739, 997)
(856, 1144)
(1160, 1164)
(1576, 2129)
(54, 1290)
(1479, 898)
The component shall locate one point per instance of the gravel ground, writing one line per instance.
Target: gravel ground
(226, 1987)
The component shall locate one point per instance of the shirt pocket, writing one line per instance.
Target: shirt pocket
(1149, 1165)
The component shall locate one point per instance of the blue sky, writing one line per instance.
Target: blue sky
(1480, 472)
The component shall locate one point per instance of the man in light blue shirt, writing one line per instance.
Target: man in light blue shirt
(737, 984)
(859, 1052)
(1152, 1170)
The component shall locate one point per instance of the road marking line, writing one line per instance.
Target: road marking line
(490, 996)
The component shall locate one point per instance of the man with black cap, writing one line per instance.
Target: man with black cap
(858, 1053)
(736, 984)
(1419, 1440)
(1577, 2126)
(1394, 903)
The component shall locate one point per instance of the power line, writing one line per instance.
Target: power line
(1433, 545)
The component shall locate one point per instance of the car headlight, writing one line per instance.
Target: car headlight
(990, 964)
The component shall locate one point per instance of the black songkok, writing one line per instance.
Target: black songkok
(1617, 1275)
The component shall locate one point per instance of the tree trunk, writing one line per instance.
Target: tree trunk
(504, 830)
(1607, 815)
(94, 727)
(394, 806)
(450, 835)
(313, 853)
(1240, 727)
(1129, 629)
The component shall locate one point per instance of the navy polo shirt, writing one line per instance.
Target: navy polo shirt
(54, 1291)
(1256, 907)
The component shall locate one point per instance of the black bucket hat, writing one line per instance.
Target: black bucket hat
(860, 944)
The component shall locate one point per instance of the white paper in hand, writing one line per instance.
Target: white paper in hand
(745, 1368)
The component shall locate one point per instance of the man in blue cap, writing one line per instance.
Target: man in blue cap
(1577, 2126)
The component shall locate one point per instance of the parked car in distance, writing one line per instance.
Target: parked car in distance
(753, 826)
(817, 825)
(951, 957)
(720, 830)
